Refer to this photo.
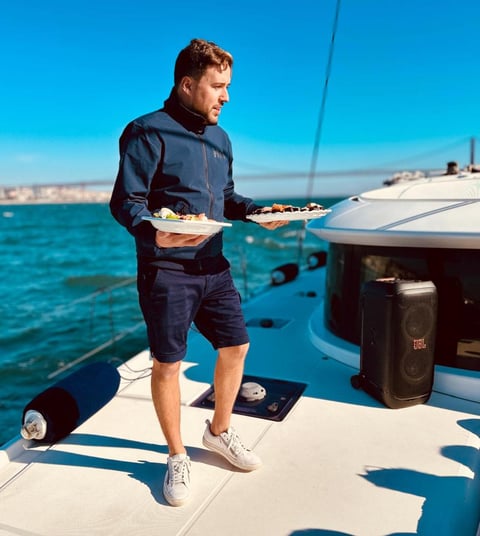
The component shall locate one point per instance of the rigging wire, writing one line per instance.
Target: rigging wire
(321, 116)
(318, 133)
(386, 168)
(433, 152)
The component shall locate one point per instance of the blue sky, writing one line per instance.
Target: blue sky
(403, 90)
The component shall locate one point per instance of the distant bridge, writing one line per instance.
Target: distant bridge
(384, 172)
(405, 164)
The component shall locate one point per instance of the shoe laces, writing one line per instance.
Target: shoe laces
(178, 471)
(233, 442)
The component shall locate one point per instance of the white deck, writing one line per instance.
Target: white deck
(339, 464)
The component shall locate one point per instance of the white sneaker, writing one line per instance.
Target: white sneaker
(176, 486)
(228, 444)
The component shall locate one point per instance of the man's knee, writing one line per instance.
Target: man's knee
(165, 371)
(234, 352)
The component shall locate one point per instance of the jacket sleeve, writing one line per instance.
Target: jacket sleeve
(140, 155)
(237, 207)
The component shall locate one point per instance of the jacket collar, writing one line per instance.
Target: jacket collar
(188, 119)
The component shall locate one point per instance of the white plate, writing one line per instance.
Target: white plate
(186, 226)
(288, 216)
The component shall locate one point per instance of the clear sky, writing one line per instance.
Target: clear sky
(403, 91)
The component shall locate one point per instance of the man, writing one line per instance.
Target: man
(180, 159)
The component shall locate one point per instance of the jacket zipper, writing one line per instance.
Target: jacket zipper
(207, 182)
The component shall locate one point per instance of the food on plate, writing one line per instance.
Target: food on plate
(277, 207)
(167, 214)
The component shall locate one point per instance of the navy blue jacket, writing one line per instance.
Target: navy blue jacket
(171, 158)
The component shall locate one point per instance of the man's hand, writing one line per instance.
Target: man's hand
(177, 240)
(271, 225)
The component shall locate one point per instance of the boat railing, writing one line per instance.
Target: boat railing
(107, 310)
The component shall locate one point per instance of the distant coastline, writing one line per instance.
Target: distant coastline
(64, 194)
(4, 203)
(31, 195)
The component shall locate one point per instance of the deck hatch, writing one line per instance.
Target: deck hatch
(281, 396)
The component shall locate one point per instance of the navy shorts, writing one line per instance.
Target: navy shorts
(171, 300)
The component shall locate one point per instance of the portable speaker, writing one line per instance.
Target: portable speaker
(397, 341)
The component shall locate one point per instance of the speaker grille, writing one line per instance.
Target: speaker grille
(418, 320)
(415, 339)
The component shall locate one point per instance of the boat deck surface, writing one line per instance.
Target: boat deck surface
(340, 463)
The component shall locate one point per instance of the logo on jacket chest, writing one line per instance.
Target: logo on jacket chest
(218, 154)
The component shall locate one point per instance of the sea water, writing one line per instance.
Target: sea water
(68, 294)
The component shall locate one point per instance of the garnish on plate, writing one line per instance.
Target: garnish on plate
(168, 214)
(278, 207)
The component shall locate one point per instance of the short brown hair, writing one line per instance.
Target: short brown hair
(195, 58)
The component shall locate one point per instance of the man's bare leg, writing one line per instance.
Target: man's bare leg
(218, 435)
(166, 400)
(227, 381)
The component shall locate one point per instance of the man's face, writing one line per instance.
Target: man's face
(208, 94)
